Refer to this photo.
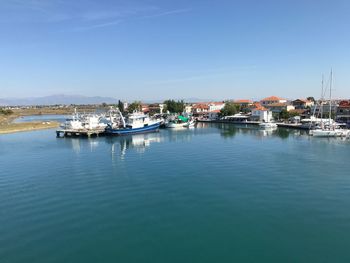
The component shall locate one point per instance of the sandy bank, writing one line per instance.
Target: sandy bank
(27, 126)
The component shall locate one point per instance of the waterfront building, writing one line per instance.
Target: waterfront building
(188, 109)
(260, 113)
(302, 103)
(278, 107)
(200, 107)
(272, 100)
(343, 112)
(214, 106)
(324, 108)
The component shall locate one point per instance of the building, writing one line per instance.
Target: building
(278, 107)
(324, 108)
(188, 109)
(243, 103)
(260, 113)
(302, 103)
(200, 107)
(343, 112)
(214, 106)
(272, 100)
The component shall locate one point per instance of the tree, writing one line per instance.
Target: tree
(174, 106)
(229, 109)
(311, 99)
(135, 106)
(120, 106)
(104, 104)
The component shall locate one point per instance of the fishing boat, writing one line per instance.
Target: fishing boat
(180, 122)
(329, 128)
(136, 122)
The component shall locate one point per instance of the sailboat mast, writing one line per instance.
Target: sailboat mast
(330, 97)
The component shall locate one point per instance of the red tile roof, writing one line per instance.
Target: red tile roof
(258, 106)
(272, 98)
(243, 101)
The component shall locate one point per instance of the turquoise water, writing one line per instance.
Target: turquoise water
(212, 194)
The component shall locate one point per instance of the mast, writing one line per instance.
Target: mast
(330, 97)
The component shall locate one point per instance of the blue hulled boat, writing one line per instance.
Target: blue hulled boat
(135, 123)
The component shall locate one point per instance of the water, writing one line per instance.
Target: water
(211, 194)
(44, 117)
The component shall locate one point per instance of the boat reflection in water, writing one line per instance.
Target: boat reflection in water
(139, 142)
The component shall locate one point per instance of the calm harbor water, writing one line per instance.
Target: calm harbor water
(216, 193)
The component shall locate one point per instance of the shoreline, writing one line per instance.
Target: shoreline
(27, 126)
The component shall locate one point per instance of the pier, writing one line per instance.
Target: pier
(80, 133)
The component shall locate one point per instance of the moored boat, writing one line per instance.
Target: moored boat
(268, 125)
(135, 123)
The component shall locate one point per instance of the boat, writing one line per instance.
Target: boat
(136, 122)
(268, 125)
(189, 124)
(329, 128)
(180, 122)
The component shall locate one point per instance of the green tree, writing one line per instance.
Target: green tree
(174, 106)
(230, 108)
(135, 106)
(120, 106)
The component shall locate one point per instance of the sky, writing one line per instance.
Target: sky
(159, 49)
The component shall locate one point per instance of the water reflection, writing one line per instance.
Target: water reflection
(232, 130)
(139, 142)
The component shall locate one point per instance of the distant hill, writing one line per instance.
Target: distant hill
(56, 99)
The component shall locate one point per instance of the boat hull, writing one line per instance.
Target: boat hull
(127, 131)
(330, 133)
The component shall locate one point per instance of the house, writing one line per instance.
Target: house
(343, 112)
(243, 104)
(302, 103)
(260, 113)
(188, 109)
(145, 108)
(213, 106)
(272, 100)
(324, 108)
(200, 107)
(278, 107)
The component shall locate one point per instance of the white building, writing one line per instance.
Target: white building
(214, 106)
(260, 113)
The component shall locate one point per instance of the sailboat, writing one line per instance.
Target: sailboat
(329, 128)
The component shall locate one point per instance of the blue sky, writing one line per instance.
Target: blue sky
(173, 49)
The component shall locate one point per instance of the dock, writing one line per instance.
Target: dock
(297, 126)
(231, 122)
(80, 133)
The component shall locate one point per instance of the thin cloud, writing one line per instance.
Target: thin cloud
(90, 27)
(170, 12)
